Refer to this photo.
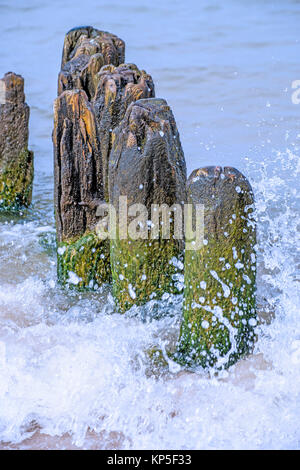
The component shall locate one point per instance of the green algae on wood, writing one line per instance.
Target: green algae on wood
(82, 257)
(16, 161)
(219, 312)
(83, 262)
(146, 166)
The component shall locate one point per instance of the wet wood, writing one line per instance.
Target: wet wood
(219, 314)
(16, 161)
(147, 166)
(95, 89)
(117, 88)
(85, 51)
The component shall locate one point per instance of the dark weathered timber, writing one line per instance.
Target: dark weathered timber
(147, 166)
(85, 51)
(219, 295)
(90, 62)
(117, 88)
(78, 184)
(78, 162)
(16, 161)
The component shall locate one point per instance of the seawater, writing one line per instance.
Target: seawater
(73, 372)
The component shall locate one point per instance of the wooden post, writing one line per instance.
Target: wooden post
(85, 51)
(219, 296)
(147, 167)
(117, 88)
(83, 259)
(94, 93)
(16, 161)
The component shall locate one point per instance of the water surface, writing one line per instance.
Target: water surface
(74, 373)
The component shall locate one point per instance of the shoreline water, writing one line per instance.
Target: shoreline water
(68, 362)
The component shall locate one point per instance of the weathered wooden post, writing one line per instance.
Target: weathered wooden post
(219, 295)
(89, 40)
(117, 88)
(85, 51)
(93, 98)
(83, 259)
(16, 161)
(147, 173)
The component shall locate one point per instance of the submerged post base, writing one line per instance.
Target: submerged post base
(83, 263)
(219, 312)
(143, 270)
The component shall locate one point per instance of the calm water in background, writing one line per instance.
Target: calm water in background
(72, 371)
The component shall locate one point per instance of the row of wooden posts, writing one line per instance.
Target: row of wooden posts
(113, 139)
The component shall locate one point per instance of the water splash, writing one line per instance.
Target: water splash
(70, 366)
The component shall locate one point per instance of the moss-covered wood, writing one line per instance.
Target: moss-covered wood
(147, 166)
(86, 50)
(16, 161)
(219, 296)
(78, 184)
(83, 262)
(143, 270)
